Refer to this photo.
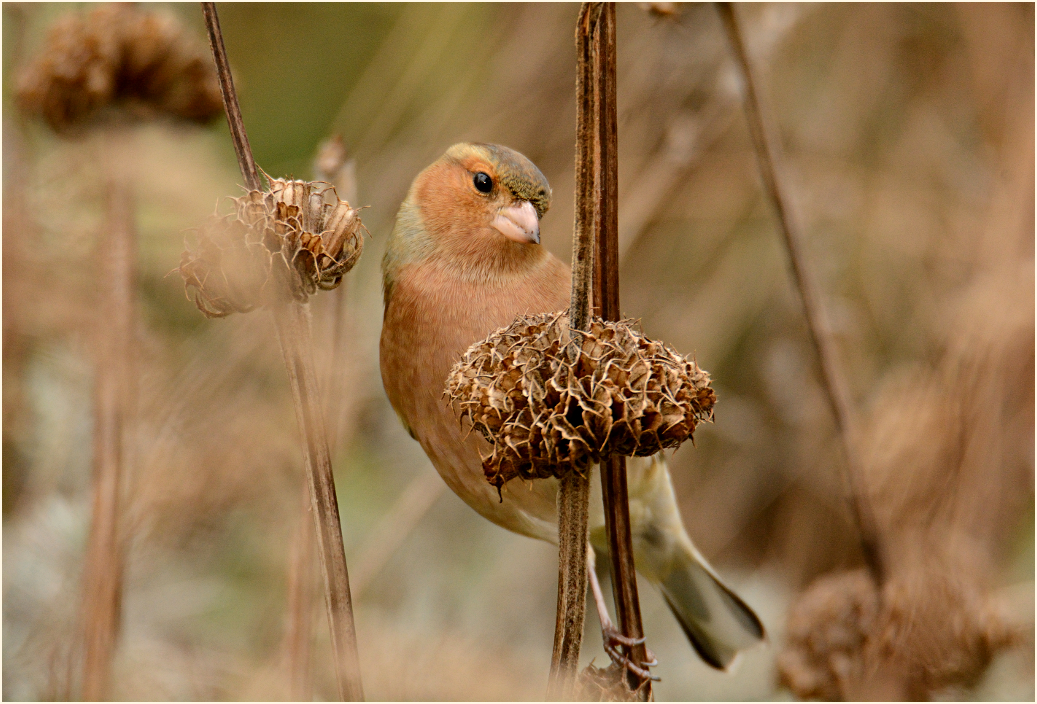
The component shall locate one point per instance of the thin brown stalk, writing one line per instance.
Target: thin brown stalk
(300, 602)
(293, 332)
(298, 635)
(606, 275)
(103, 574)
(769, 157)
(242, 149)
(573, 487)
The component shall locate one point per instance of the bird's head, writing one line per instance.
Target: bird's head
(487, 185)
(477, 207)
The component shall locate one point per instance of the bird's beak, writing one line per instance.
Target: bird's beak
(519, 223)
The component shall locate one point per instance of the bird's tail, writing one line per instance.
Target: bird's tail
(716, 621)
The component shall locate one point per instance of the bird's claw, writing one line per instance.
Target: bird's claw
(612, 639)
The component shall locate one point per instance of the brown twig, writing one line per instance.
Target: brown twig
(573, 487)
(103, 574)
(300, 603)
(606, 276)
(329, 164)
(573, 499)
(293, 331)
(768, 154)
(242, 149)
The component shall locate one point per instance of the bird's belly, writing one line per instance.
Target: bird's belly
(421, 341)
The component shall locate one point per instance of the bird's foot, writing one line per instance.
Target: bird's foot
(612, 640)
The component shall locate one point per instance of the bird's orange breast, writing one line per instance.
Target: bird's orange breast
(432, 317)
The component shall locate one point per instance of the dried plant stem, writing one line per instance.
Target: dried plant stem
(606, 276)
(293, 331)
(573, 499)
(768, 154)
(573, 487)
(300, 603)
(300, 574)
(114, 403)
(242, 149)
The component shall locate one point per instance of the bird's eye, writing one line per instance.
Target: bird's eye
(483, 183)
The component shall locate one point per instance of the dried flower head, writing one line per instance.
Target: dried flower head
(607, 684)
(827, 627)
(286, 242)
(625, 394)
(117, 56)
(932, 630)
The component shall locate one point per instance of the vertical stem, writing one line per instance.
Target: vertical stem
(300, 576)
(586, 176)
(573, 499)
(103, 572)
(293, 332)
(606, 270)
(300, 601)
(769, 157)
(574, 488)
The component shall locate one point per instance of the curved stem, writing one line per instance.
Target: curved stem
(768, 154)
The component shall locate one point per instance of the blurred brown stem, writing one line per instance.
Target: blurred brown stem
(606, 287)
(114, 404)
(300, 575)
(300, 602)
(293, 331)
(768, 153)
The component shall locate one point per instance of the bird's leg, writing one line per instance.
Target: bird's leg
(611, 638)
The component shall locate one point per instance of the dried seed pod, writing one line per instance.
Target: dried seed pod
(625, 394)
(607, 684)
(287, 239)
(931, 631)
(118, 56)
(827, 628)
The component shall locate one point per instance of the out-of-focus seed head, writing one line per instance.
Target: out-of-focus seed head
(606, 684)
(286, 242)
(827, 628)
(625, 394)
(666, 10)
(116, 56)
(927, 630)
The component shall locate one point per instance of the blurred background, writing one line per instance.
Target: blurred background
(909, 141)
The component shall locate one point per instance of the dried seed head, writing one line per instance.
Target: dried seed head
(287, 241)
(826, 631)
(118, 56)
(607, 684)
(931, 630)
(625, 394)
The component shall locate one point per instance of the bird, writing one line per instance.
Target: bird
(463, 260)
